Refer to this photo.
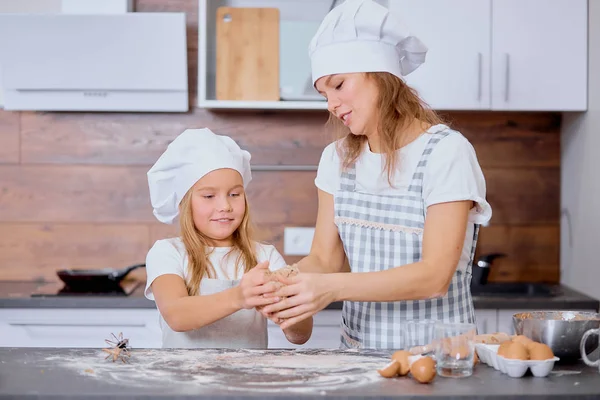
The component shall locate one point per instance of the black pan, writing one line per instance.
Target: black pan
(95, 280)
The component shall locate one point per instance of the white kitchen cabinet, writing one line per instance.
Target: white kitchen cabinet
(486, 321)
(456, 73)
(88, 328)
(25, 327)
(539, 55)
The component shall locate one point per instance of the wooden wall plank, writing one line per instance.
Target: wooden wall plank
(36, 251)
(120, 194)
(138, 139)
(532, 252)
(506, 140)
(9, 137)
(511, 139)
(523, 196)
(74, 194)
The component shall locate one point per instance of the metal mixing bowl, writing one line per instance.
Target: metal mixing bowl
(560, 330)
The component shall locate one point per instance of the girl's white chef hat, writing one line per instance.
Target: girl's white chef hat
(363, 36)
(193, 154)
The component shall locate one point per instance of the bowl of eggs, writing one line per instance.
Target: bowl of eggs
(560, 330)
(516, 356)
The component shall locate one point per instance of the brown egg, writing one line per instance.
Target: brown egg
(460, 352)
(423, 370)
(516, 351)
(475, 358)
(390, 370)
(540, 351)
(402, 357)
(503, 347)
(522, 339)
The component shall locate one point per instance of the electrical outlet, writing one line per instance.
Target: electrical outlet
(297, 241)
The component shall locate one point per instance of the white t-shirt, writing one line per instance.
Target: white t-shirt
(452, 174)
(242, 329)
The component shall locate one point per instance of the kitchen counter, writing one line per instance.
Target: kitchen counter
(274, 374)
(18, 294)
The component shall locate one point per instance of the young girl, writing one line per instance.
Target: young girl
(208, 282)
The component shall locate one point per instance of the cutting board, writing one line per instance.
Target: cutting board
(247, 41)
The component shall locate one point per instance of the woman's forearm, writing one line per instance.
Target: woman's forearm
(194, 312)
(415, 281)
(311, 263)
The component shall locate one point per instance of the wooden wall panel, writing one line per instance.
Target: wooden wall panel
(520, 196)
(74, 194)
(138, 139)
(511, 139)
(9, 137)
(36, 251)
(531, 252)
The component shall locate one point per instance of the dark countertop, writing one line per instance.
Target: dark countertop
(274, 374)
(18, 294)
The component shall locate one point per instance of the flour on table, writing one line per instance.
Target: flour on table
(231, 370)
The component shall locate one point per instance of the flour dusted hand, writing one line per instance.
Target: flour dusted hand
(254, 284)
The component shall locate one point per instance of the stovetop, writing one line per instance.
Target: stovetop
(21, 289)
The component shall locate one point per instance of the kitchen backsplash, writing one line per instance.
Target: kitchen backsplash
(73, 188)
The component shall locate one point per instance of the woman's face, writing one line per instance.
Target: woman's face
(219, 205)
(352, 98)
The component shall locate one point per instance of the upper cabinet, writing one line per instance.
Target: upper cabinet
(456, 73)
(500, 54)
(528, 55)
(539, 55)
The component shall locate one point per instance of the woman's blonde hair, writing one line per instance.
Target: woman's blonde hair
(399, 105)
(196, 244)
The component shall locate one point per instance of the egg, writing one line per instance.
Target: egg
(402, 357)
(516, 351)
(503, 347)
(460, 352)
(390, 370)
(522, 339)
(475, 358)
(423, 370)
(540, 351)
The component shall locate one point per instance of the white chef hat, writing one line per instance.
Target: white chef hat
(193, 154)
(362, 36)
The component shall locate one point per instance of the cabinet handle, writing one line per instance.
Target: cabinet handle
(479, 77)
(71, 324)
(507, 78)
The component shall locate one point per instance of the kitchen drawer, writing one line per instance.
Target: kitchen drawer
(78, 327)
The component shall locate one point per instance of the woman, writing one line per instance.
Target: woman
(401, 195)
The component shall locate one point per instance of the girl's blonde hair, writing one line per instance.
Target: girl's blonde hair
(399, 105)
(196, 244)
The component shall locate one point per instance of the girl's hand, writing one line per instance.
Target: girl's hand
(253, 285)
(307, 294)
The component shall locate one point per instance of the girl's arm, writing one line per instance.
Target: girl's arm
(184, 313)
(300, 332)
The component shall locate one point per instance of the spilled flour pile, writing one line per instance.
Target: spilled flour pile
(230, 370)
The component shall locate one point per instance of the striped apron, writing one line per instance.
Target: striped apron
(380, 232)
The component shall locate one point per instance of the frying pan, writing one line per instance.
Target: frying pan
(95, 280)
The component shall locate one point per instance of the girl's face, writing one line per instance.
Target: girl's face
(352, 98)
(218, 205)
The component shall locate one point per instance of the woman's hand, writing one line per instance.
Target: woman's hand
(303, 296)
(254, 285)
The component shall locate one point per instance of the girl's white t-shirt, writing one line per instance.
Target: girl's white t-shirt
(452, 173)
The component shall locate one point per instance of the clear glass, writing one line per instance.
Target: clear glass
(419, 335)
(454, 349)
